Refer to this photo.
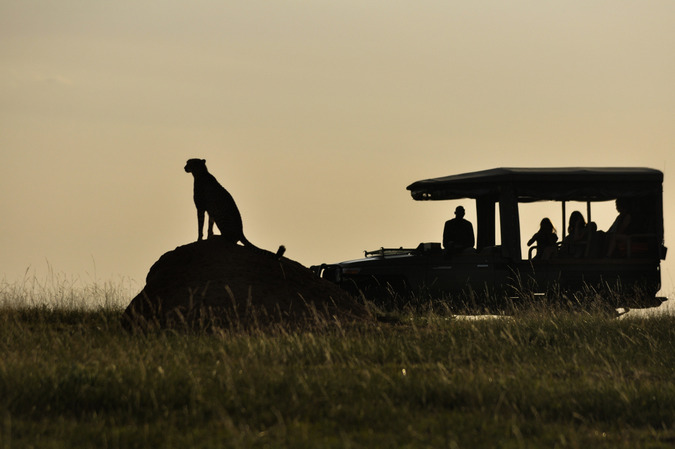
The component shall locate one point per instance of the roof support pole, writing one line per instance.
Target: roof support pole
(509, 221)
(564, 220)
(485, 216)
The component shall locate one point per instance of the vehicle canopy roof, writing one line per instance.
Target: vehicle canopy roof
(541, 184)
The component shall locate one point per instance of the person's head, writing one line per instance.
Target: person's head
(576, 219)
(546, 225)
(459, 212)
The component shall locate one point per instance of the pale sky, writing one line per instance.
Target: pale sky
(315, 115)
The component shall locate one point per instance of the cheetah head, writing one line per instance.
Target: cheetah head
(195, 166)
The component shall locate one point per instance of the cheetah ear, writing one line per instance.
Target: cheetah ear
(204, 161)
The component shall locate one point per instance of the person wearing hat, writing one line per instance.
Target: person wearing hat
(458, 233)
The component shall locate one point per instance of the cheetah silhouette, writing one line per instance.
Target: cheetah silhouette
(212, 198)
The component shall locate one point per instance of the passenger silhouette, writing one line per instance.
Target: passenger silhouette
(545, 239)
(577, 228)
(621, 228)
(458, 232)
(576, 240)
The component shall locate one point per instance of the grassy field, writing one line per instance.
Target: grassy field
(71, 377)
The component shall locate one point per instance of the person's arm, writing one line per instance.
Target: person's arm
(446, 236)
(531, 241)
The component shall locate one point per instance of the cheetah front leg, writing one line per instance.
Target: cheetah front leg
(211, 221)
(200, 224)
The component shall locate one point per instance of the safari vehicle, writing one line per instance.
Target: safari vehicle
(629, 277)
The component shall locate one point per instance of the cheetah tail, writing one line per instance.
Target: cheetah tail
(279, 254)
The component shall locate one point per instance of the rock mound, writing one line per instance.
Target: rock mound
(214, 283)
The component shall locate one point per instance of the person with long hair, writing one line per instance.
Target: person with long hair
(578, 233)
(546, 239)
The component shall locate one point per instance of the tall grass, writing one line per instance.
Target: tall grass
(55, 290)
(71, 377)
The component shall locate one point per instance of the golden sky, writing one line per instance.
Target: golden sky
(315, 115)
